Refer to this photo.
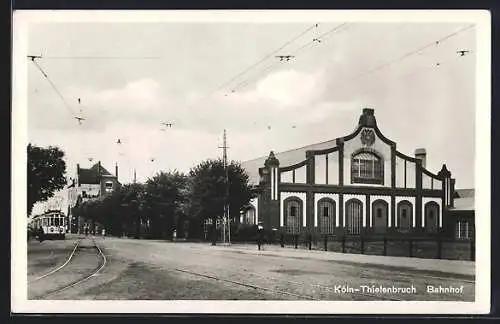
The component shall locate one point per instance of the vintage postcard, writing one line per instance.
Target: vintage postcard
(274, 162)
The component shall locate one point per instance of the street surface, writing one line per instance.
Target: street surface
(127, 269)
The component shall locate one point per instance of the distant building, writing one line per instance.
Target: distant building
(91, 183)
(357, 185)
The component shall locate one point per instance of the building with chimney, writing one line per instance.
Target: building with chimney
(92, 183)
(357, 185)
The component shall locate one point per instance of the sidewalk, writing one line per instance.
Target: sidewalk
(457, 267)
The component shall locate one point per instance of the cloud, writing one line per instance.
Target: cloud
(290, 87)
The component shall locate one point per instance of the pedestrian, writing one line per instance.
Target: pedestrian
(260, 236)
(103, 232)
(40, 234)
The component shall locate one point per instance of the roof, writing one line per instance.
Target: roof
(465, 193)
(286, 158)
(91, 176)
(463, 204)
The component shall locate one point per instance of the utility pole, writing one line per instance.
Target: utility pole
(226, 198)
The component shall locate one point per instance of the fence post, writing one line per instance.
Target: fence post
(343, 244)
(440, 247)
(326, 242)
(472, 250)
(385, 246)
(362, 245)
(411, 248)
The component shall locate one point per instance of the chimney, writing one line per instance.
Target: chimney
(421, 154)
(367, 119)
(116, 171)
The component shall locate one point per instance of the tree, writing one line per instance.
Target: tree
(210, 191)
(164, 199)
(131, 198)
(46, 169)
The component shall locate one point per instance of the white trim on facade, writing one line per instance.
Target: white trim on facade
(301, 196)
(362, 198)
(275, 181)
(255, 204)
(387, 199)
(425, 200)
(334, 197)
(272, 183)
(412, 201)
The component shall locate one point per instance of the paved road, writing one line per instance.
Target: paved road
(156, 270)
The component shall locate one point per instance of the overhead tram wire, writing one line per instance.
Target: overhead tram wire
(427, 68)
(387, 64)
(226, 83)
(266, 57)
(103, 57)
(54, 87)
(406, 55)
(295, 52)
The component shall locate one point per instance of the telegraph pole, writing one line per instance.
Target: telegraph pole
(226, 198)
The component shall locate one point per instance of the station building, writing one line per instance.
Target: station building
(357, 185)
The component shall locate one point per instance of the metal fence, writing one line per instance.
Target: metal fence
(430, 248)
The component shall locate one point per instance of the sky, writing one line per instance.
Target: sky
(131, 77)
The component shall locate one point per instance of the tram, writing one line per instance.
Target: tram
(50, 225)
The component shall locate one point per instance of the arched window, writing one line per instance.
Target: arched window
(326, 215)
(367, 167)
(405, 216)
(354, 216)
(380, 210)
(431, 216)
(293, 214)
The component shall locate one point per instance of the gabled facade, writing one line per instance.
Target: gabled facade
(91, 183)
(355, 185)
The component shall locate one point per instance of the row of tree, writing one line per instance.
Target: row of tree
(165, 202)
(171, 200)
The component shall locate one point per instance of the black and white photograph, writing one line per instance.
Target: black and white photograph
(251, 162)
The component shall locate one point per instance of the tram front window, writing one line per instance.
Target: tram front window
(56, 221)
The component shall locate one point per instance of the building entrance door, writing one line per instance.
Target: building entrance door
(380, 216)
(354, 216)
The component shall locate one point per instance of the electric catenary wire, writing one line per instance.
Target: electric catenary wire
(384, 65)
(54, 87)
(266, 57)
(294, 53)
(429, 67)
(103, 57)
(406, 55)
(260, 61)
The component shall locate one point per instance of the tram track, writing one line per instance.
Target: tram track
(326, 288)
(243, 284)
(279, 291)
(61, 266)
(64, 268)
